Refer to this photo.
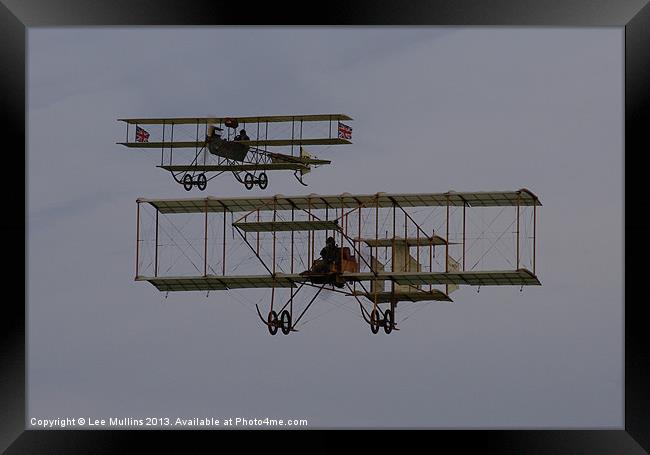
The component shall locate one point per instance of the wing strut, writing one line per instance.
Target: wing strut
(307, 307)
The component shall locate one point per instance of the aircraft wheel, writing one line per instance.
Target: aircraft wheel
(187, 182)
(374, 320)
(389, 320)
(272, 322)
(263, 181)
(201, 182)
(248, 181)
(285, 322)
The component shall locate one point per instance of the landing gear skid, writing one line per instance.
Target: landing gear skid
(298, 177)
(250, 181)
(188, 182)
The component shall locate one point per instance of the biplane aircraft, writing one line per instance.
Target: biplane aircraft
(218, 148)
(379, 250)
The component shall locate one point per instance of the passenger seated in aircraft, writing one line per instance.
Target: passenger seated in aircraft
(242, 136)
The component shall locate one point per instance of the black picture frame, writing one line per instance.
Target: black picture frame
(634, 15)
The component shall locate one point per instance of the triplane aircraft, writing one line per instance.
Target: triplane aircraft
(379, 250)
(217, 151)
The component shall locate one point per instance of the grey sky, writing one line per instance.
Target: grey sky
(435, 109)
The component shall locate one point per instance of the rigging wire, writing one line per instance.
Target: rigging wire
(490, 247)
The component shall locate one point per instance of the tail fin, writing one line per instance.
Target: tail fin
(304, 153)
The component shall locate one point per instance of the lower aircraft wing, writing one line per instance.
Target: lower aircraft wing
(219, 282)
(233, 167)
(519, 277)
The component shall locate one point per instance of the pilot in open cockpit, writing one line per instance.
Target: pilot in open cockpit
(242, 136)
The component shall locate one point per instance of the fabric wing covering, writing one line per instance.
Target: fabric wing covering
(522, 197)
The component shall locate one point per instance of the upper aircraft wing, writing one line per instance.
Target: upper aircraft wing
(252, 143)
(166, 144)
(522, 197)
(253, 119)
